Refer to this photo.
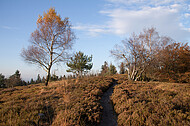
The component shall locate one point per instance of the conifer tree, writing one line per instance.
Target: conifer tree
(80, 63)
(38, 80)
(105, 68)
(14, 80)
(2, 81)
(32, 81)
(112, 69)
(122, 68)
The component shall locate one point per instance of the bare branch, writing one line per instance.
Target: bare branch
(50, 40)
(139, 51)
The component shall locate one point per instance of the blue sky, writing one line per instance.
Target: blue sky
(98, 25)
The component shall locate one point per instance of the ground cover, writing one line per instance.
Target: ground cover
(66, 102)
(152, 103)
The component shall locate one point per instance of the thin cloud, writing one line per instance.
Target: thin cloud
(92, 30)
(187, 15)
(9, 28)
(146, 2)
(166, 15)
(170, 17)
(125, 21)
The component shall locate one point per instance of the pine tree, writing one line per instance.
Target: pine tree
(80, 64)
(32, 81)
(2, 81)
(105, 69)
(38, 80)
(112, 69)
(122, 68)
(54, 77)
(43, 79)
(14, 80)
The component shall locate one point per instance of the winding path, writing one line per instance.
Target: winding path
(109, 117)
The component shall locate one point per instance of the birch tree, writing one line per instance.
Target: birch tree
(50, 42)
(140, 51)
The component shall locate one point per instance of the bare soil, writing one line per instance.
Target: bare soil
(109, 117)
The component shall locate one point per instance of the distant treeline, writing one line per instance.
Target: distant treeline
(16, 80)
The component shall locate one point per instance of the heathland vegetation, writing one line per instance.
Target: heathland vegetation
(153, 81)
(152, 104)
(77, 102)
(66, 102)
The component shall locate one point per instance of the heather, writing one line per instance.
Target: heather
(66, 102)
(152, 103)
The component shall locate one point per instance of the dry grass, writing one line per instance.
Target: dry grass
(121, 78)
(76, 102)
(67, 102)
(152, 104)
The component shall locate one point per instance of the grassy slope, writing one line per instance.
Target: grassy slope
(152, 103)
(76, 102)
(68, 102)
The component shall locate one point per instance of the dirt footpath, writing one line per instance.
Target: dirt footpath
(109, 117)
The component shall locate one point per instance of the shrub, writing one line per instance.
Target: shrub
(152, 104)
(67, 102)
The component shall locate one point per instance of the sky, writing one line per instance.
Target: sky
(97, 24)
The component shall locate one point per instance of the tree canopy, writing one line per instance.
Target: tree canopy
(14, 80)
(139, 51)
(2, 80)
(50, 42)
(104, 68)
(80, 63)
(174, 64)
(122, 68)
(108, 69)
(112, 69)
